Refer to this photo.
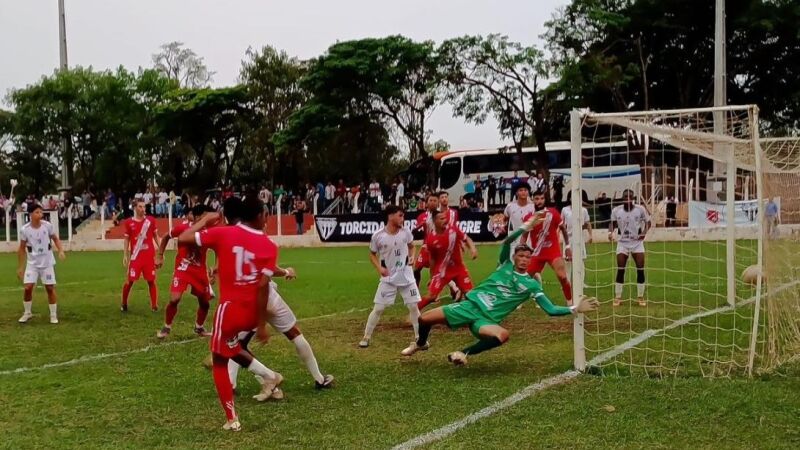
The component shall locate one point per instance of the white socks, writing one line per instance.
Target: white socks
(640, 290)
(413, 316)
(27, 306)
(617, 290)
(53, 309)
(307, 355)
(373, 319)
(256, 367)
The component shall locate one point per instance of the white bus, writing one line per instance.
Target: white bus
(606, 167)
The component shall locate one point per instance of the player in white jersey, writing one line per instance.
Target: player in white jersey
(35, 240)
(632, 223)
(391, 253)
(566, 216)
(517, 210)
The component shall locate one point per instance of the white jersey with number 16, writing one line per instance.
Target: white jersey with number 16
(393, 252)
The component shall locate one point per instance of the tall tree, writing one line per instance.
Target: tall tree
(271, 79)
(392, 80)
(493, 75)
(182, 65)
(623, 55)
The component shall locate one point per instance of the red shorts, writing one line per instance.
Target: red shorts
(142, 267)
(547, 256)
(423, 259)
(230, 319)
(460, 276)
(194, 277)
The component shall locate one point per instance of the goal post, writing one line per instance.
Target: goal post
(698, 311)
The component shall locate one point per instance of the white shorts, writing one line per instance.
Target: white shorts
(387, 292)
(279, 315)
(626, 248)
(34, 274)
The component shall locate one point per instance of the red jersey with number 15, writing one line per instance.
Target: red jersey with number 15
(445, 250)
(141, 236)
(188, 255)
(244, 256)
(544, 236)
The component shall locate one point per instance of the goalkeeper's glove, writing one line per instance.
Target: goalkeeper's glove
(586, 304)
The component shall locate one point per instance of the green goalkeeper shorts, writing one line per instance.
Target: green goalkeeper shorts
(465, 314)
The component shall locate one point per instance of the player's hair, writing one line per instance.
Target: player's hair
(628, 193)
(198, 210)
(522, 248)
(538, 193)
(441, 193)
(34, 208)
(392, 209)
(432, 194)
(136, 201)
(232, 209)
(523, 185)
(251, 208)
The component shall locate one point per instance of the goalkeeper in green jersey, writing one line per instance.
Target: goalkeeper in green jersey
(485, 307)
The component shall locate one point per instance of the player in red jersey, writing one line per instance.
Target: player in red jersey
(543, 239)
(447, 264)
(190, 272)
(141, 240)
(444, 200)
(425, 223)
(247, 261)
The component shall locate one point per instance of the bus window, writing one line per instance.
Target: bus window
(559, 159)
(449, 172)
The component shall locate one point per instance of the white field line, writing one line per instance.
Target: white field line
(447, 430)
(100, 356)
(21, 288)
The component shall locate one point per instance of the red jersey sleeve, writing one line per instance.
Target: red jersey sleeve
(153, 225)
(209, 237)
(421, 220)
(271, 261)
(460, 235)
(127, 226)
(178, 229)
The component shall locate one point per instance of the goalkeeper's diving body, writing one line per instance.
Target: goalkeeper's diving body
(487, 305)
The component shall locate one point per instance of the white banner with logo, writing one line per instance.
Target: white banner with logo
(705, 214)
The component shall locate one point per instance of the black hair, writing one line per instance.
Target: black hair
(432, 194)
(522, 248)
(251, 208)
(34, 208)
(523, 185)
(198, 210)
(232, 209)
(392, 209)
(539, 192)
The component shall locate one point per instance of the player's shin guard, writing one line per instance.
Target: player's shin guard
(171, 311)
(307, 355)
(372, 320)
(224, 388)
(153, 294)
(126, 290)
(413, 316)
(482, 345)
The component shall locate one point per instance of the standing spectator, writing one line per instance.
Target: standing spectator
(263, 195)
(330, 194)
(374, 194)
(341, 190)
(501, 188)
(514, 183)
(320, 196)
(491, 189)
(173, 204)
(299, 211)
(148, 201)
(86, 200)
(478, 190)
(772, 213)
(540, 182)
(278, 192)
(672, 211)
(162, 201)
(603, 204)
(111, 202)
(401, 192)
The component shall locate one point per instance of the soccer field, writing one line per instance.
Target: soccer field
(114, 385)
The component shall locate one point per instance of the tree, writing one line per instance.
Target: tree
(393, 81)
(493, 75)
(272, 82)
(182, 65)
(624, 55)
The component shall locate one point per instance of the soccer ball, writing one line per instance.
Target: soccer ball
(750, 275)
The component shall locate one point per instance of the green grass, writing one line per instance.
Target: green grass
(164, 398)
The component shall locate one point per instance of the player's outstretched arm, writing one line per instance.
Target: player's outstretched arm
(505, 248)
(548, 306)
(287, 273)
(208, 219)
(21, 258)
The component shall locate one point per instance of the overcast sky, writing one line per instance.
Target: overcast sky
(108, 33)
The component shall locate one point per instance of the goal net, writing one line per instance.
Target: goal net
(719, 293)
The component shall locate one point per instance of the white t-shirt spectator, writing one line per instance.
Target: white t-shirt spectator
(162, 197)
(374, 189)
(401, 190)
(330, 192)
(148, 198)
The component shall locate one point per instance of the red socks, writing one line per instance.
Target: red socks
(224, 388)
(172, 310)
(153, 294)
(203, 306)
(566, 288)
(126, 289)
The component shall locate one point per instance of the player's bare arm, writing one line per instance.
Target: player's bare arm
(262, 335)
(611, 226)
(57, 244)
(162, 248)
(126, 251)
(288, 273)
(376, 263)
(157, 238)
(588, 227)
(647, 226)
(412, 253)
(567, 249)
(473, 251)
(208, 219)
(21, 257)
